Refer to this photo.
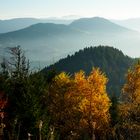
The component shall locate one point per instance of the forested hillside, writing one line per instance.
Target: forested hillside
(59, 106)
(110, 60)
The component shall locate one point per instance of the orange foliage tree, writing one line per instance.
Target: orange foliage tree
(63, 105)
(79, 103)
(131, 93)
(95, 102)
(130, 106)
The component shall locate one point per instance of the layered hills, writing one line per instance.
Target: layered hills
(48, 42)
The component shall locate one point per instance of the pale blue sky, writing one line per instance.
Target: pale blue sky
(115, 9)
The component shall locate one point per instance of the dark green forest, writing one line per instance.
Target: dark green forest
(110, 60)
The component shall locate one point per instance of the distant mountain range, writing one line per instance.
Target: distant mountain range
(20, 23)
(45, 43)
(110, 60)
(97, 24)
(133, 23)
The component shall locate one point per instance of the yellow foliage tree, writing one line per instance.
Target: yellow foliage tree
(63, 107)
(79, 102)
(95, 102)
(130, 106)
(131, 93)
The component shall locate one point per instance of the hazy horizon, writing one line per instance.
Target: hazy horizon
(68, 17)
(110, 9)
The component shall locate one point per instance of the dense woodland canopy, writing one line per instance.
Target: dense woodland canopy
(110, 60)
(60, 106)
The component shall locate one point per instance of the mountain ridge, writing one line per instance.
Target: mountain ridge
(45, 41)
(109, 59)
(15, 24)
(96, 20)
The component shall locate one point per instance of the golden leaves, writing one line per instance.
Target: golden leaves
(130, 107)
(81, 100)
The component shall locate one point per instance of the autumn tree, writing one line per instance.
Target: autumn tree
(3, 105)
(3, 78)
(95, 102)
(79, 103)
(130, 106)
(63, 106)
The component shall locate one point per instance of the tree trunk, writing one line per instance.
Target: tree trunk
(18, 133)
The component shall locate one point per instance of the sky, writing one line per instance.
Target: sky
(112, 9)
